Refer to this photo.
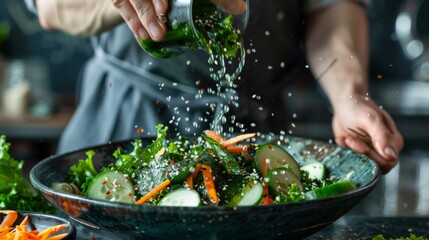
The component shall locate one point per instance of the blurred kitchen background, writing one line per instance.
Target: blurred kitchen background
(38, 72)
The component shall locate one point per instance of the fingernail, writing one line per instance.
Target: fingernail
(143, 34)
(155, 30)
(390, 152)
(159, 6)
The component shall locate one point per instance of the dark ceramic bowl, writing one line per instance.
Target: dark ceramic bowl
(283, 221)
(42, 221)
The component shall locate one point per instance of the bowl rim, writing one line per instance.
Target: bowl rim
(203, 209)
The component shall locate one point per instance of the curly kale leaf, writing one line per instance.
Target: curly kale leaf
(128, 163)
(159, 143)
(83, 169)
(141, 156)
(15, 192)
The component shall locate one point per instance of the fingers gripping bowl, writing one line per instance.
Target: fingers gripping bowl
(278, 221)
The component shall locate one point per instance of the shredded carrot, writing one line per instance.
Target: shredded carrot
(235, 149)
(209, 183)
(24, 221)
(197, 169)
(190, 182)
(190, 178)
(266, 200)
(10, 218)
(154, 191)
(236, 139)
(52, 229)
(214, 135)
(57, 237)
(21, 232)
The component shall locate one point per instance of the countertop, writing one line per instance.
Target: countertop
(367, 227)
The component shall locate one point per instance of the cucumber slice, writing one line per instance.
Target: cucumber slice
(316, 170)
(334, 189)
(280, 179)
(181, 197)
(111, 186)
(250, 195)
(271, 156)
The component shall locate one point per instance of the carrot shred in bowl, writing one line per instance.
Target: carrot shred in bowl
(9, 230)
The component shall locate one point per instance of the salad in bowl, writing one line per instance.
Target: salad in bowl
(207, 187)
(208, 171)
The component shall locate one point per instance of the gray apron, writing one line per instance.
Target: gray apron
(123, 89)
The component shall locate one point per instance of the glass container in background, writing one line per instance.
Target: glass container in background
(16, 89)
(25, 89)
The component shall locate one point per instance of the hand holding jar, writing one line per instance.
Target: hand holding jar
(147, 18)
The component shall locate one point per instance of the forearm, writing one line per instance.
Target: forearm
(78, 17)
(339, 33)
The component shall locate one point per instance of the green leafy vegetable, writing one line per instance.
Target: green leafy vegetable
(294, 195)
(160, 142)
(228, 161)
(411, 237)
(85, 168)
(130, 163)
(15, 192)
(219, 172)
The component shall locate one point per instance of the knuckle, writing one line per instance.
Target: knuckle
(143, 12)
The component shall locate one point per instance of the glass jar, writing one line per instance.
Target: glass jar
(198, 24)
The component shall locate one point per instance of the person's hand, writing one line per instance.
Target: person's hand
(146, 18)
(361, 113)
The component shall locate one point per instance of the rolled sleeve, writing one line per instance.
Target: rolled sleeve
(31, 5)
(311, 5)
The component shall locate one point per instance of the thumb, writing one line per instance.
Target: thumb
(387, 143)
